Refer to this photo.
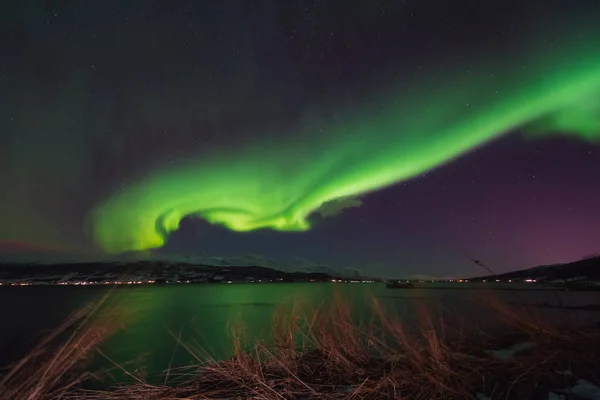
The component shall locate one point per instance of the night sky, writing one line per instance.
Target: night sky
(396, 137)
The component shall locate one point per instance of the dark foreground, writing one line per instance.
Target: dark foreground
(327, 355)
(204, 314)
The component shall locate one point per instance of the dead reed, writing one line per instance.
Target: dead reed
(328, 354)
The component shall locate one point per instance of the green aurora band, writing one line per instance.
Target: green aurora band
(409, 129)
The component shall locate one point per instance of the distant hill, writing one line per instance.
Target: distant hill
(246, 260)
(587, 269)
(149, 271)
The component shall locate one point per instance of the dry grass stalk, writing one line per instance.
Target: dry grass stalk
(328, 354)
(49, 371)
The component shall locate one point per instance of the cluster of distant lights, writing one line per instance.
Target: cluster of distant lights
(86, 283)
(82, 283)
(467, 281)
(93, 283)
(510, 280)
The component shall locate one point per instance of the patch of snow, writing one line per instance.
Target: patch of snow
(586, 389)
(554, 396)
(507, 354)
(68, 277)
(564, 373)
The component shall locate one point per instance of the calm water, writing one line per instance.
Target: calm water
(204, 314)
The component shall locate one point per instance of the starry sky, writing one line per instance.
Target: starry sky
(396, 137)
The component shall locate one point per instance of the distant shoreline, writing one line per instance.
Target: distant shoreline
(439, 285)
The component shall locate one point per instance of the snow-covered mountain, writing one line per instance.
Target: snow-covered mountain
(212, 270)
(296, 264)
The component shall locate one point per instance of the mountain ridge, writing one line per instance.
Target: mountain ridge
(586, 269)
(143, 271)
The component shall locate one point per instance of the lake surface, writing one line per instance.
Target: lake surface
(205, 314)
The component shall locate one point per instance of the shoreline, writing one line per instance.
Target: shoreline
(499, 286)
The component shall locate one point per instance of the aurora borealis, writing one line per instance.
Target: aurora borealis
(233, 127)
(279, 186)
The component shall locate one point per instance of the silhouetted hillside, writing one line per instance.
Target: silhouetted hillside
(149, 271)
(582, 270)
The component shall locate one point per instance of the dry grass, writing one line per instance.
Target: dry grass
(54, 367)
(328, 355)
